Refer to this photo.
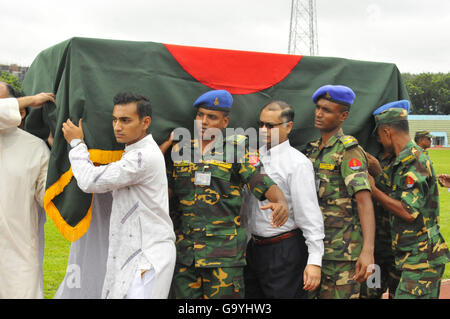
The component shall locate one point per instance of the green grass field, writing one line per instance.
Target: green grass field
(441, 164)
(57, 248)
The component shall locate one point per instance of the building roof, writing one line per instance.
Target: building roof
(413, 117)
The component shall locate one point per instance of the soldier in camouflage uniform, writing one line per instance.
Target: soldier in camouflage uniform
(384, 256)
(210, 240)
(344, 197)
(413, 200)
(423, 139)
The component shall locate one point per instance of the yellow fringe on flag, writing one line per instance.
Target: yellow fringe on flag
(73, 233)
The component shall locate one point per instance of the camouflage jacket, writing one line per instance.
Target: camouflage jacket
(420, 244)
(341, 171)
(209, 232)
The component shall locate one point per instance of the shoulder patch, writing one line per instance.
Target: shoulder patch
(409, 182)
(408, 158)
(254, 160)
(354, 164)
(348, 141)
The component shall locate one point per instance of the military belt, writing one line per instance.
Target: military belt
(260, 241)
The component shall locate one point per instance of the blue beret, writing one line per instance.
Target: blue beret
(335, 93)
(219, 100)
(402, 104)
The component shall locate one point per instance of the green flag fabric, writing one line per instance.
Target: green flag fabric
(85, 74)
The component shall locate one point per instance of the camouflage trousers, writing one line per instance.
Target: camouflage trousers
(336, 281)
(207, 283)
(389, 278)
(420, 284)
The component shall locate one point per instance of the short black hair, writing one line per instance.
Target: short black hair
(401, 125)
(144, 107)
(287, 112)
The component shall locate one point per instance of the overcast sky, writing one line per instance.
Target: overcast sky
(413, 34)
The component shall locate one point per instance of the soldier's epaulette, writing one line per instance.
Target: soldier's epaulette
(413, 154)
(235, 139)
(348, 141)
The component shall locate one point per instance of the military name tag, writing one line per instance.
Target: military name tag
(326, 166)
(202, 178)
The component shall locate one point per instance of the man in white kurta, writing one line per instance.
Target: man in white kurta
(141, 254)
(23, 163)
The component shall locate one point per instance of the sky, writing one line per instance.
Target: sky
(413, 34)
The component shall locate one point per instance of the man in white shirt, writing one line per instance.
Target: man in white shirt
(23, 163)
(279, 263)
(141, 254)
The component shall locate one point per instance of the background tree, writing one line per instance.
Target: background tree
(429, 92)
(11, 80)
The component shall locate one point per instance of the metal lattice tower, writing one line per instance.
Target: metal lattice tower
(303, 28)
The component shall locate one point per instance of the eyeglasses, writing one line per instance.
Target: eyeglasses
(269, 125)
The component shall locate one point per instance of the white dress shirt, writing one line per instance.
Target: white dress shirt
(294, 174)
(23, 166)
(141, 235)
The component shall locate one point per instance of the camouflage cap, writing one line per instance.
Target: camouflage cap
(391, 112)
(423, 133)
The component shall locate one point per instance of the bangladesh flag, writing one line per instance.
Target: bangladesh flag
(85, 74)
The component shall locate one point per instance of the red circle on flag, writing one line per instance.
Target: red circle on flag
(238, 72)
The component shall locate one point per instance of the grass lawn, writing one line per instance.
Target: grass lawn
(55, 258)
(57, 248)
(441, 164)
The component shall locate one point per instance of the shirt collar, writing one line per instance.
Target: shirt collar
(334, 138)
(138, 144)
(331, 141)
(277, 149)
(407, 154)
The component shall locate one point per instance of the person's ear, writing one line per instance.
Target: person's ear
(289, 126)
(387, 131)
(147, 120)
(343, 116)
(226, 120)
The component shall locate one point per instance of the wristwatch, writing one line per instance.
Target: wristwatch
(75, 142)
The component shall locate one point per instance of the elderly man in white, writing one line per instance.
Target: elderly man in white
(284, 262)
(141, 254)
(23, 163)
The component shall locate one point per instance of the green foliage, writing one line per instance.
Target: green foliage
(429, 92)
(11, 80)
